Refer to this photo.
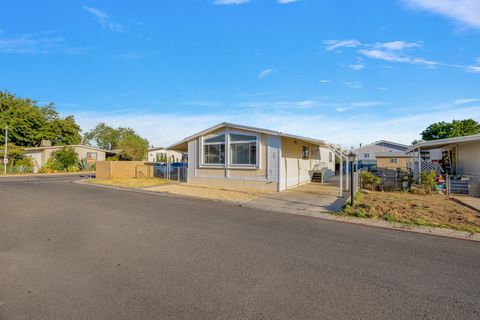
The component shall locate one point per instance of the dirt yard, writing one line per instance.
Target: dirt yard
(208, 193)
(427, 210)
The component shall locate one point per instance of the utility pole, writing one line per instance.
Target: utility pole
(5, 158)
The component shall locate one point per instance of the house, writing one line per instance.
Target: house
(164, 155)
(40, 155)
(391, 161)
(460, 160)
(233, 156)
(367, 154)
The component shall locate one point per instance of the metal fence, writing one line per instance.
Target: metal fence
(177, 171)
(15, 169)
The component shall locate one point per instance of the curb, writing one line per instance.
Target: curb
(329, 216)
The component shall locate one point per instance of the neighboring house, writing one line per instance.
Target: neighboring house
(391, 160)
(158, 154)
(234, 156)
(40, 155)
(367, 155)
(460, 157)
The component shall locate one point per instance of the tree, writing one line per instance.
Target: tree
(65, 157)
(30, 123)
(131, 145)
(456, 128)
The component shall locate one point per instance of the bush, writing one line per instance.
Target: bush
(428, 181)
(370, 181)
(65, 158)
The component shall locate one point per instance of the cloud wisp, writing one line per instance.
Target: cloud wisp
(466, 12)
(265, 73)
(104, 20)
(229, 2)
(32, 43)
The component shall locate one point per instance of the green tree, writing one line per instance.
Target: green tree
(30, 123)
(65, 157)
(456, 128)
(131, 146)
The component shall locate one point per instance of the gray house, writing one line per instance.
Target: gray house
(367, 154)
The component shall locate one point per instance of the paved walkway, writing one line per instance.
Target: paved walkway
(471, 202)
(310, 197)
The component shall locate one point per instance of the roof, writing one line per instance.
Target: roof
(391, 155)
(72, 146)
(383, 141)
(248, 128)
(435, 144)
(156, 149)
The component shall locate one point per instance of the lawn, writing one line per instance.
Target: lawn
(425, 210)
(130, 182)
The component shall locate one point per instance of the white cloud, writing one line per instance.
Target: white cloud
(306, 103)
(265, 73)
(287, 1)
(34, 43)
(396, 51)
(227, 2)
(334, 44)
(397, 45)
(104, 19)
(466, 101)
(466, 12)
(353, 84)
(324, 81)
(357, 66)
(474, 68)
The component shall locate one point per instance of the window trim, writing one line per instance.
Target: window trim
(228, 153)
(92, 153)
(308, 152)
(202, 152)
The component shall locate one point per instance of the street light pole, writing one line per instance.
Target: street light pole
(5, 158)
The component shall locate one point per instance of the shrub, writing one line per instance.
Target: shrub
(370, 181)
(428, 181)
(65, 158)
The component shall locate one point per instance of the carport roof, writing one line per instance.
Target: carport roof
(435, 144)
(182, 144)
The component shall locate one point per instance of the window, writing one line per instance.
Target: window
(243, 149)
(91, 156)
(305, 153)
(366, 155)
(393, 160)
(214, 149)
(330, 157)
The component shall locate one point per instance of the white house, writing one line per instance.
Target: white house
(164, 155)
(366, 154)
(235, 156)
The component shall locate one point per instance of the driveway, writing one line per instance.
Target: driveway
(70, 251)
(304, 199)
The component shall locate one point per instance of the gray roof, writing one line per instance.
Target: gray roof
(404, 146)
(435, 144)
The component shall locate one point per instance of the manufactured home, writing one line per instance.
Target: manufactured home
(233, 156)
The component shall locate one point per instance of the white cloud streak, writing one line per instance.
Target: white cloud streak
(466, 12)
(265, 73)
(104, 20)
(229, 2)
(335, 44)
(34, 43)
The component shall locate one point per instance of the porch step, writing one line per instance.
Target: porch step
(317, 177)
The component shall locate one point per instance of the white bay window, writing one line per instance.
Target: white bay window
(242, 150)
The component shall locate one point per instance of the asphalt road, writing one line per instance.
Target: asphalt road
(70, 251)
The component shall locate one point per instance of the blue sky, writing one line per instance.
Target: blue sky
(344, 71)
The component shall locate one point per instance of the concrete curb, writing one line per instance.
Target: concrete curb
(66, 174)
(325, 215)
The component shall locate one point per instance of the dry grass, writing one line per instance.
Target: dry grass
(208, 193)
(130, 182)
(429, 210)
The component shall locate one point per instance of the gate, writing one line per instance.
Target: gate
(176, 171)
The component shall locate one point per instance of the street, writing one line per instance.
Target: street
(72, 251)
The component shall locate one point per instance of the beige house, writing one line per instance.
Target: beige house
(40, 155)
(460, 160)
(391, 160)
(234, 156)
